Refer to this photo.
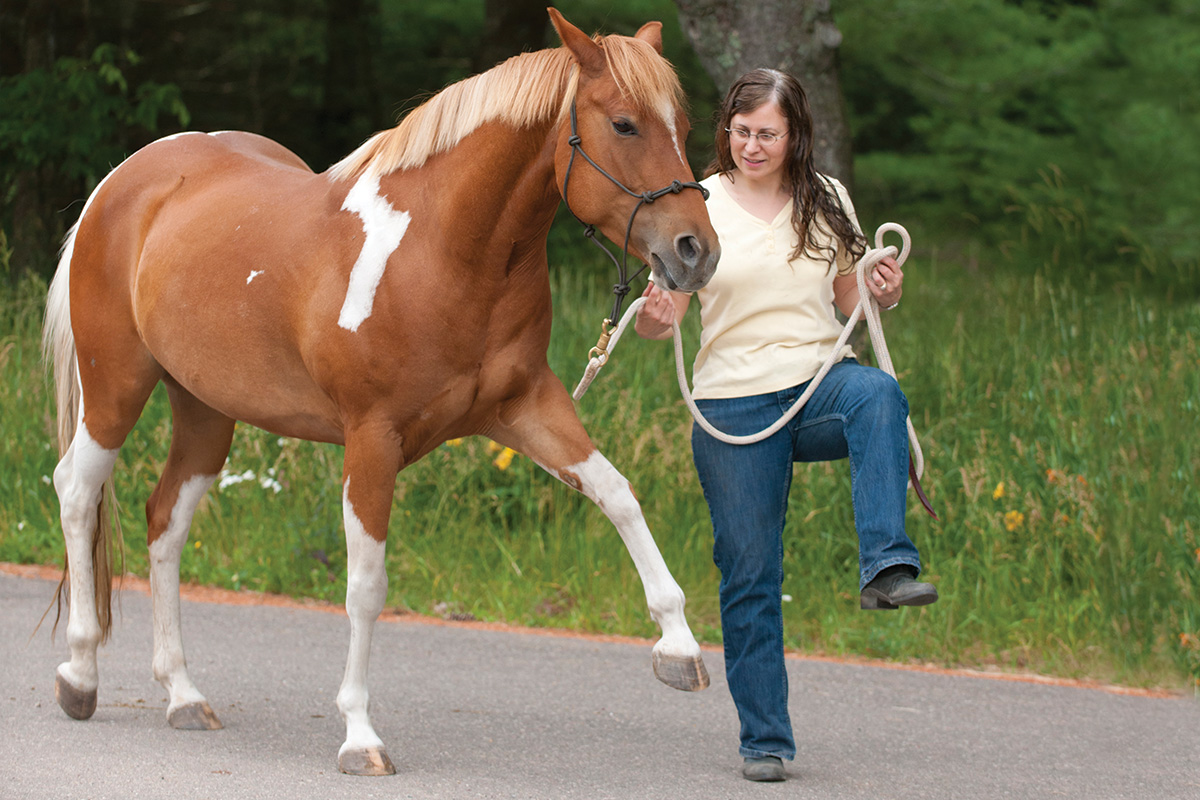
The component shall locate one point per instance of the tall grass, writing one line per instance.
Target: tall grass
(1057, 419)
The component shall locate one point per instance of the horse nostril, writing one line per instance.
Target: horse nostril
(689, 250)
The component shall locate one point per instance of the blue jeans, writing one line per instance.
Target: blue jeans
(857, 412)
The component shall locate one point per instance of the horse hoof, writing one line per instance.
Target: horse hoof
(77, 703)
(372, 761)
(194, 717)
(685, 674)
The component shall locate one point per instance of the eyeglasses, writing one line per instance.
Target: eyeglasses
(765, 139)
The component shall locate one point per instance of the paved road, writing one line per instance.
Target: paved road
(471, 713)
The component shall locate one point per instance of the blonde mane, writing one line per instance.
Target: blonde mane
(522, 92)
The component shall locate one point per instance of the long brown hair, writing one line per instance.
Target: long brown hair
(811, 192)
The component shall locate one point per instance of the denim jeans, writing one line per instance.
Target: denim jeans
(857, 412)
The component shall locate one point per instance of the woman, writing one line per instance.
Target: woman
(789, 243)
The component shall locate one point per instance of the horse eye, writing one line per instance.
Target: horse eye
(624, 127)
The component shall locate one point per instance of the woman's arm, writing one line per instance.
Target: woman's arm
(662, 308)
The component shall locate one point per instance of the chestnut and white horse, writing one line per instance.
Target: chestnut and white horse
(398, 300)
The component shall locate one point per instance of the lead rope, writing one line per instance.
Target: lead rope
(867, 306)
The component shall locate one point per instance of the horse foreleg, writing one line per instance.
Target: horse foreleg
(79, 480)
(676, 656)
(553, 436)
(370, 476)
(200, 440)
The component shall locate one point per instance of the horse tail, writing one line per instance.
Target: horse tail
(58, 352)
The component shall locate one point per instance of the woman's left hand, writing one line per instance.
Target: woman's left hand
(886, 282)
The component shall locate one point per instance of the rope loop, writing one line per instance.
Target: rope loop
(574, 140)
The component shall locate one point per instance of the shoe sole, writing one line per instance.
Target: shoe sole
(872, 600)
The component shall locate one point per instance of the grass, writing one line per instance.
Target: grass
(1057, 420)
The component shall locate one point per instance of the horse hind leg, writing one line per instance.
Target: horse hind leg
(79, 480)
(200, 439)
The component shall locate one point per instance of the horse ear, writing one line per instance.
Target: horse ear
(651, 33)
(587, 53)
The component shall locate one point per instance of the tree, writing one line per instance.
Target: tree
(510, 27)
(732, 37)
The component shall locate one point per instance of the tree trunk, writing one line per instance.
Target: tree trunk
(510, 27)
(732, 37)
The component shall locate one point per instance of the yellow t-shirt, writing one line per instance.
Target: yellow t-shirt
(767, 321)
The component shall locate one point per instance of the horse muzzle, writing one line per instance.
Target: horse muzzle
(685, 266)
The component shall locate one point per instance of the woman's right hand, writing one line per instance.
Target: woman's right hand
(657, 316)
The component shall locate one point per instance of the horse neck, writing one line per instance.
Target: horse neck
(496, 191)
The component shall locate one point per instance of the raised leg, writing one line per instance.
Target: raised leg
(79, 480)
(200, 439)
(372, 461)
(550, 433)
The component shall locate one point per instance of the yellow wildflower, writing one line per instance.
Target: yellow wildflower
(505, 458)
(494, 447)
(999, 491)
(197, 544)
(453, 442)
(1013, 520)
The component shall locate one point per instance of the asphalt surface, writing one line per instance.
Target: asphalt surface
(470, 713)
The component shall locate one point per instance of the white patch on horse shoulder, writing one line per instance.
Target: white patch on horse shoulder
(254, 273)
(384, 227)
(668, 114)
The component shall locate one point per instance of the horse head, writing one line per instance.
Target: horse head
(628, 122)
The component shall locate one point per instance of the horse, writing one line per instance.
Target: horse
(395, 301)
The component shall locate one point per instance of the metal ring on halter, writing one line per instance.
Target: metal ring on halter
(621, 288)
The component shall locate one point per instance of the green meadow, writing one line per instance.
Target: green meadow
(1058, 421)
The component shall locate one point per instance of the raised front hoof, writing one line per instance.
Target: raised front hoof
(683, 673)
(194, 717)
(77, 703)
(371, 761)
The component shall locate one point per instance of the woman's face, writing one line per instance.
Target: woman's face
(752, 156)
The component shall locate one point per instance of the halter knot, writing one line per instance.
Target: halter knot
(574, 140)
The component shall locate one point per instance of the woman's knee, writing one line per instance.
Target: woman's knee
(880, 393)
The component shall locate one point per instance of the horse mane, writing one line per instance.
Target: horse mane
(523, 91)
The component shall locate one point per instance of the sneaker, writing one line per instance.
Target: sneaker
(767, 768)
(895, 587)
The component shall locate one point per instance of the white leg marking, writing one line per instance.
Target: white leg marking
(169, 665)
(384, 228)
(366, 592)
(608, 489)
(78, 479)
